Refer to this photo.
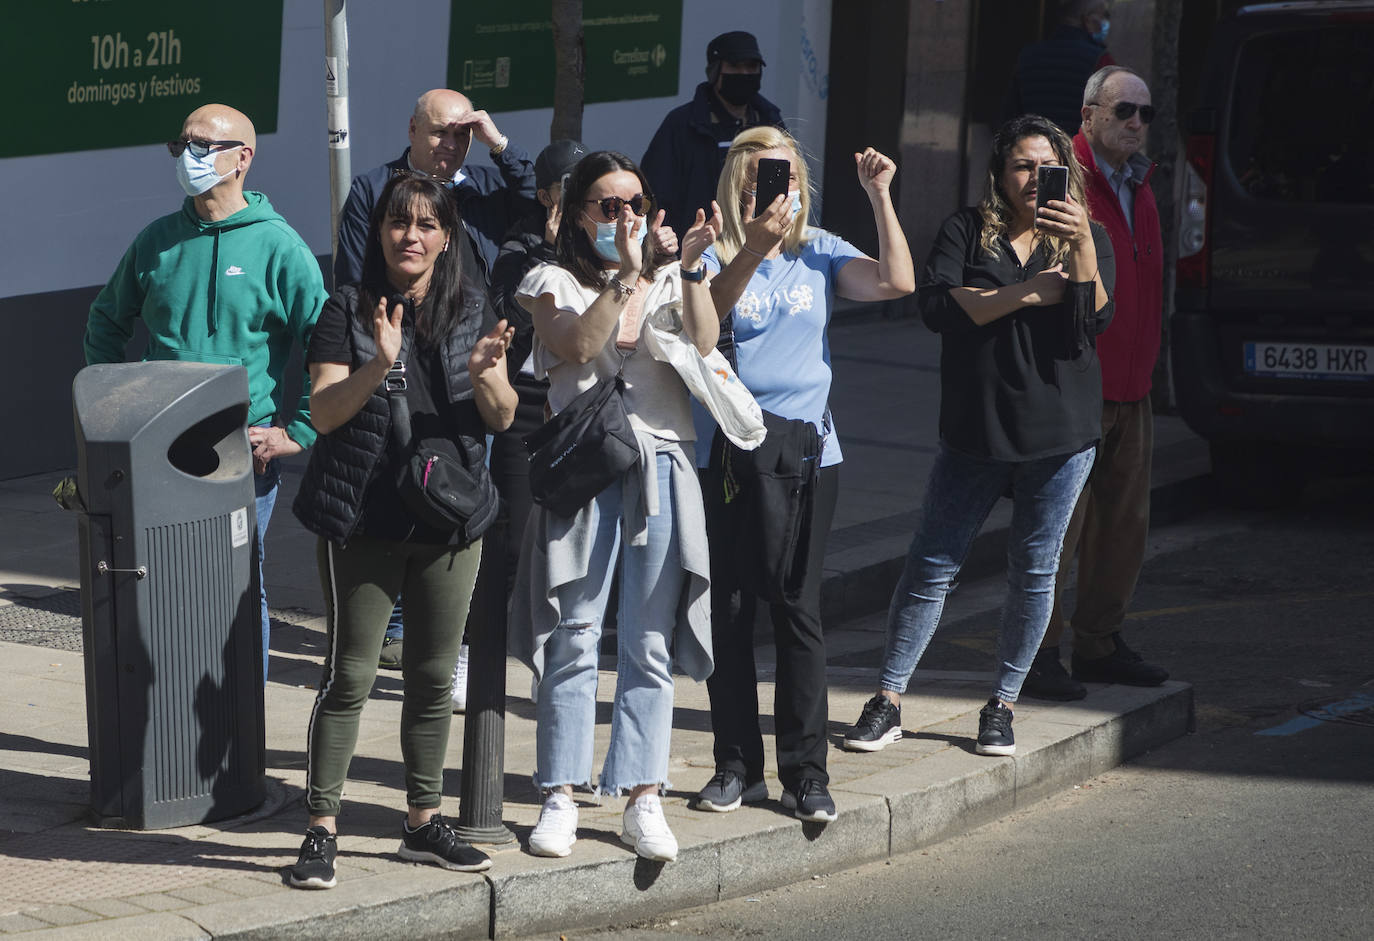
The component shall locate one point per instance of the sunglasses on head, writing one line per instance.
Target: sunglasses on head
(639, 204)
(198, 147)
(398, 172)
(1124, 109)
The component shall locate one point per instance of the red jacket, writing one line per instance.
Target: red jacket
(1130, 346)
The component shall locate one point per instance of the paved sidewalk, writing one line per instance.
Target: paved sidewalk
(58, 876)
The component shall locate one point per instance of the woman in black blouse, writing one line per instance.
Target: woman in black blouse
(1018, 299)
(415, 342)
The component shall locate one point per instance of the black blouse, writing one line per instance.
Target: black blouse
(1027, 385)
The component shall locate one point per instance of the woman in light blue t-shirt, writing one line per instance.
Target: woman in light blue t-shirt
(774, 279)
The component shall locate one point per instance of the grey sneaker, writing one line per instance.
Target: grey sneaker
(314, 867)
(811, 801)
(727, 790)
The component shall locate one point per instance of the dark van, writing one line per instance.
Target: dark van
(1273, 334)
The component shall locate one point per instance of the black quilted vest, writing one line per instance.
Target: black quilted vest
(329, 502)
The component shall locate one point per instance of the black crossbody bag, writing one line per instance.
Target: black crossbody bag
(440, 492)
(583, 449)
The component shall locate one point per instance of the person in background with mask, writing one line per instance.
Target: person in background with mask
(222, 280)
(1050, 75)
(686, 154)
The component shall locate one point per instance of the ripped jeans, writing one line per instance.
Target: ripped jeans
(651, 581)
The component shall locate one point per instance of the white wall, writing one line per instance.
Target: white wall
(72, 215)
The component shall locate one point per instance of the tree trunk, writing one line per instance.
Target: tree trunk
(1165, 148)
(569, 77)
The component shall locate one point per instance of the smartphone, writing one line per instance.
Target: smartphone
(1051, 182)
(772, 182)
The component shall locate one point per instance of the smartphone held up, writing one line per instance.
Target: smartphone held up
(1051, 182)
(772, 183)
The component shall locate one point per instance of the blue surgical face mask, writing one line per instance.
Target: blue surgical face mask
(197, 174)
(1102, 31)
(795, 196)
(605, 239)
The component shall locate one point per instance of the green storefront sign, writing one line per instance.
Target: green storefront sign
(500, 52)
(89, 74)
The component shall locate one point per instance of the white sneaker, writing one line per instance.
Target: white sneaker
(459, 692)
(556, 831)
(647, 830)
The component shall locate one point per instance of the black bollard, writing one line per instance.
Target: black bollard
(482, 792)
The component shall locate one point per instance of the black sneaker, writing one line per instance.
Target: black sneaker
(994, 729)
(727, 790)
(314, 867)
(1047, 678)
(437, 842)
(879, 725)
(811, 801)
(1123, 665)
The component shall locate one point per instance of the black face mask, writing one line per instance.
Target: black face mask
(739, 88)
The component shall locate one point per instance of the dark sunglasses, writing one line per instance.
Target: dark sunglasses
(397, 172)
(639, 204)
(199, 148)
(1124, 109)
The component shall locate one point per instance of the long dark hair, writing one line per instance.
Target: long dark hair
(995, 209)
(575, 250)
(438, 314)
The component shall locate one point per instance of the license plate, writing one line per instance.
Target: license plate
(1309, 360)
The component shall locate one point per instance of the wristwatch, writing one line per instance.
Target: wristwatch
(694, 276)
(500, 145)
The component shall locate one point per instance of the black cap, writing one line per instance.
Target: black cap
(556, 160)
(738, 46)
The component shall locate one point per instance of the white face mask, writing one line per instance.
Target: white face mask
(197, 174)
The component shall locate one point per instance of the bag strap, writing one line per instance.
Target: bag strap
(399, 440)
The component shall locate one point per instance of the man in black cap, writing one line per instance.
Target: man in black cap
(684, 159)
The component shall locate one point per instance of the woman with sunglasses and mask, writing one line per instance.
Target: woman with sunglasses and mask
(1018, 293)
(774, 285)
(421, 306)
(589, 309)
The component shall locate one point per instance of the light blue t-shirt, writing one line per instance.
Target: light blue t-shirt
(781, 343)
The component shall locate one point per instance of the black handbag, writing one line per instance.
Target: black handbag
(440, 492)
(583, 449)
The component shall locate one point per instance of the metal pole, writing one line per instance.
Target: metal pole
(484, 729)
(336, 111)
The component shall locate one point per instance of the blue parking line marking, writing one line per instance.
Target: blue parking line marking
(1357, 703)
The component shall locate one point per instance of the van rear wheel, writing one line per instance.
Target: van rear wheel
(1256, 474)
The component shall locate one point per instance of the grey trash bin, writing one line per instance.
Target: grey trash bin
(169, 584)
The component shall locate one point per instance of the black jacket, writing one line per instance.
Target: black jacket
(1050, 76)
(685, 157)
(343, 462)
(490, 201)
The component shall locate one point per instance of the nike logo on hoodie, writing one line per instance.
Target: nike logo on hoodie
(232, 270)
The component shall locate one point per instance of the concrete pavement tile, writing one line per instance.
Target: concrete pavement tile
(159, 927)
(16, 923)
(156, 901)
(202, 894)
(248, 887)
(788, 849)
(112, 908)
(61, 915)
(563, 896)
(418, 901)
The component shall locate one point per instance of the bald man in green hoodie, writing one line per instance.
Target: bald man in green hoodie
(222, 280)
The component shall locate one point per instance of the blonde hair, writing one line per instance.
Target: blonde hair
(734, 177)
(995, 210)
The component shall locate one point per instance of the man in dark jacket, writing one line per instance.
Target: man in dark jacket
(685, 156)
(490, 200)
(1111, 521)
(1050, 74)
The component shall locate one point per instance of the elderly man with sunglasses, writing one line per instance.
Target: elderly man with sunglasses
(490, 199)
(1111, 522)
(222, 280)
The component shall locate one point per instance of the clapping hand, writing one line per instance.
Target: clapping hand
(490, 351)
(386, 331)
(662, 237)
(700, 236)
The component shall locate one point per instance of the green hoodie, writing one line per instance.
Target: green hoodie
(236, 291)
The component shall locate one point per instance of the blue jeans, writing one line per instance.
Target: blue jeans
(959, 496)
(651, 582)
(265, 490)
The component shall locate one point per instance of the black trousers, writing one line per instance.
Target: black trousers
(800, 710)
(510, 467)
